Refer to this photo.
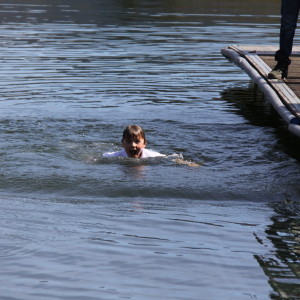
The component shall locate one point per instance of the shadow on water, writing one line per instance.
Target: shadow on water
(251, 103)
(281, 264)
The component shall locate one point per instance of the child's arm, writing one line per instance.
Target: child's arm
(185, 162)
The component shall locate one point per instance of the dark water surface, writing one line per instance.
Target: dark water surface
(74, 225)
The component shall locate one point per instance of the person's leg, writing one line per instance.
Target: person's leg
(289, 17)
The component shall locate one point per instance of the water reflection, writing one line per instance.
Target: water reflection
(282, 265)
(251, 103)
(137, 11)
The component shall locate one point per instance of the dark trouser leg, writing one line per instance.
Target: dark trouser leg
(289, 18)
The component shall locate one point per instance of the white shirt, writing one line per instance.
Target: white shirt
(145, 153)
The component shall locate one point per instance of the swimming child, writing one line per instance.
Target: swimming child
(134, 143)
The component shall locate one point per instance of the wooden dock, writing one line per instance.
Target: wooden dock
(257, 62)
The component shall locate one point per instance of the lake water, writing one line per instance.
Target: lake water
(74, 225)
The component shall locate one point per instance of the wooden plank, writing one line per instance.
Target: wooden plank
(257, 62)
(293, 81)
(262, 60)
(288, 97)
(262, 50)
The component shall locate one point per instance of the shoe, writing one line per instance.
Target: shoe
(280, 71)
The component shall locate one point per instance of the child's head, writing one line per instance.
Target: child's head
(134, 141)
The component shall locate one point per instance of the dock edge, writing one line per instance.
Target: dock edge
(291, 120)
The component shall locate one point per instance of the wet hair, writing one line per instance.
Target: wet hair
(134, 131)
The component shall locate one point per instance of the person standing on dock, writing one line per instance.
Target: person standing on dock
(289, 17)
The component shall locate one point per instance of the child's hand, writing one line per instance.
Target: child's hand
(185, 162)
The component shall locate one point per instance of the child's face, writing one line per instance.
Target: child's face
(133, 146)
